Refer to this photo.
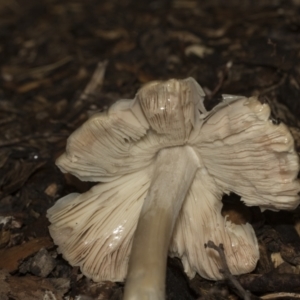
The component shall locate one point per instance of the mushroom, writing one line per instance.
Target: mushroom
(164, 163)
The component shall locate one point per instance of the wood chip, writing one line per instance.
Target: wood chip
(11, 257)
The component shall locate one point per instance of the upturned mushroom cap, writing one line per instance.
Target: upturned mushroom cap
(239, 150)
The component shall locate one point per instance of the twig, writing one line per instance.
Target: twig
(223, 74)
(225, 270)
(96, 82)
(274, 86)
(91, 91)
(281, 295)
(42, 69)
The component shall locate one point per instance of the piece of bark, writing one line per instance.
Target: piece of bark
(11, 257)
(270, 282)
(16, 174)
(86, 289)
(290, 253)
(264, 264)
(31, 287)
(42, 264)
(286, 268)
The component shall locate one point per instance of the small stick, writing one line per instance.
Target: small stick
(91, 91)
(96, 82)
(225, 270)
(274, 86)
(281, 295)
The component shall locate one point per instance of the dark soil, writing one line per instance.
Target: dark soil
(49, 50)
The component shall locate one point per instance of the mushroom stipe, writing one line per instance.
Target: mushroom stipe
(164, 163)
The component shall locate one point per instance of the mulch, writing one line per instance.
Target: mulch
(49, 51)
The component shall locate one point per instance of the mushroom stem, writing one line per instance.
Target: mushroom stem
(173, 174)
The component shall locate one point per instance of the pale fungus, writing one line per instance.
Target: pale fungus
(164, 163)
